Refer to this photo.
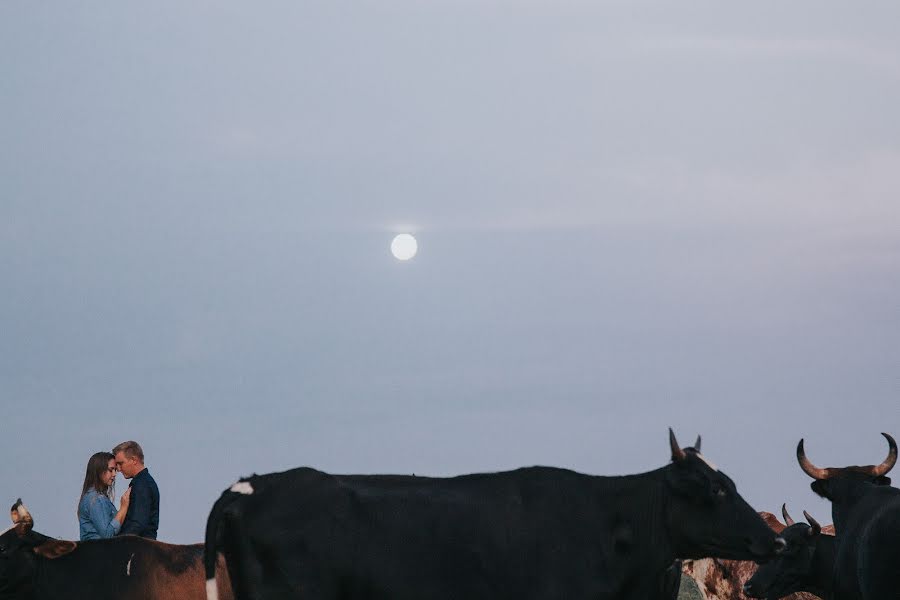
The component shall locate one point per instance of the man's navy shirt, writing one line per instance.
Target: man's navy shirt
(142, 517)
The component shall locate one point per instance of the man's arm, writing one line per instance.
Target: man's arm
(138, 518)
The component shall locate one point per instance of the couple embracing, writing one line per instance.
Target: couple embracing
(138, 511)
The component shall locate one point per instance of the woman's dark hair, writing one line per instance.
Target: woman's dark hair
(96, 467)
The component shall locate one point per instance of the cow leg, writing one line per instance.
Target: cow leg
(244, 569)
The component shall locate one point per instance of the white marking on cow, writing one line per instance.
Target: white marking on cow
(242, 487)
(212, 593)
(708, 462)
(128, 566)
(23, 512)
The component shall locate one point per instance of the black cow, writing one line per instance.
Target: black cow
(866, 513)
(532, 533)
(34, 566)
(805, 565)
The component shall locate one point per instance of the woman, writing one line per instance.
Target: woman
(97, 515)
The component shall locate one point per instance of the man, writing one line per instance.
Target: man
(142, 517)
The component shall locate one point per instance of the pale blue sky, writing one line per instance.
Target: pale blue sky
(630, 215)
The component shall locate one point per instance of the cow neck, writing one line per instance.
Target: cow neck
(849, 493)
(638, 503)
(847, 496)
(659, 507)
(853, 502)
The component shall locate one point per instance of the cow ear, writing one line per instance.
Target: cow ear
(55, 548)
(821, 487)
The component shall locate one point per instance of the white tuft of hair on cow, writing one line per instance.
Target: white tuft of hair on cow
(708, 462)
(242, 487)
(128, 566)
(212, 593)
(23, 512)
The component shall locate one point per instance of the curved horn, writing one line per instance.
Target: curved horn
(787, 518)
(809, 468)
(677, 453)
(24, 523)
(816, 528)
(697, 444)
(24, 515)
(890, 461)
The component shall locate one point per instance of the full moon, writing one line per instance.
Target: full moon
(404, 247)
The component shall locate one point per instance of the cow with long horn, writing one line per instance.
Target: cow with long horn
(866, 513)
(805, 565)
(787, 518)
(723, 579)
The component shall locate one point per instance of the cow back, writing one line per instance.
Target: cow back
(129, 568)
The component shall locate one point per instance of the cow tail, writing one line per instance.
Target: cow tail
(212, 543)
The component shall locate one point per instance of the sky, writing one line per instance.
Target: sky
(630, 216)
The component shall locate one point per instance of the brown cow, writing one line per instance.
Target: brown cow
(38, 567)
(724, 579)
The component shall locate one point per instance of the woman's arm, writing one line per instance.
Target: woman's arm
(101, 512)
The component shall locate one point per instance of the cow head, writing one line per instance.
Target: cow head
(20, 549)
(835, 482)
(793, 570)
(706, 515)
(17, 565)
